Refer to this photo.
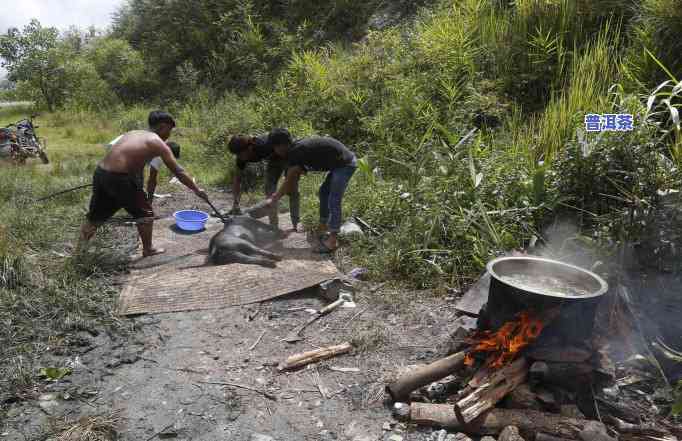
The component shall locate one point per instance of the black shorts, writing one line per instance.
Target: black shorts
(112, 191)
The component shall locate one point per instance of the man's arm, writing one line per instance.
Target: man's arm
(289, 184)
(151, 183)
(167, 157)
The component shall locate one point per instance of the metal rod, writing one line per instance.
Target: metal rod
(62, 192)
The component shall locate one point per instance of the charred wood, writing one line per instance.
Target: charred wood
(561, 374)
(559, 354)
(400, 389)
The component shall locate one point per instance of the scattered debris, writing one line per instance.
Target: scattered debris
(242, 386)
(253, 346)
(345, 370)
(299, 360)
(358, 273)
(92, 428)
(295, 335)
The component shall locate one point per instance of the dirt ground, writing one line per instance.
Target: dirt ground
(156, 381)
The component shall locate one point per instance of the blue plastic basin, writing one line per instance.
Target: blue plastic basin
(190, 220)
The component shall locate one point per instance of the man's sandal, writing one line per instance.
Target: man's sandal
(324, 249)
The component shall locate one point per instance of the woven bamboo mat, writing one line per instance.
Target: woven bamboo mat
(177, 281)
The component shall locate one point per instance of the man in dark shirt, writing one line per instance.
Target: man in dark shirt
(318, 154)
(256, 149)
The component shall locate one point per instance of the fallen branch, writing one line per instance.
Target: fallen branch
(400, 389)
(241, 386)
(299, 360)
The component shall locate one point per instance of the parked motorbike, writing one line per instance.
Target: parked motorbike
(19, 142)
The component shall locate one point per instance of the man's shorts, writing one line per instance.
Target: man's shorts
(112, 191)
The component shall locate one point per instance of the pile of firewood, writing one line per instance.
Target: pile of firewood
(537, 393)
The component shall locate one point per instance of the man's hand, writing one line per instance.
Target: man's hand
(201, 193)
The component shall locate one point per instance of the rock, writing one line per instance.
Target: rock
(395, 437)
(48, 401)
(523, 398)
(439, 435)
(594, 431)
(350, 229)
(511, 433)
(387, 427)
(365, 438)
(488, 438)
(443, 435)
(401, 411)
(327, 435)
(571, 411)
(261, 437)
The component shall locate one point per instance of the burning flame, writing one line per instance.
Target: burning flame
(504, 344)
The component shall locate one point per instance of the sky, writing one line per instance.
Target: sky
(58, 13)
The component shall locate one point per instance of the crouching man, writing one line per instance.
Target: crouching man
(254, 149)
(116, 182)
(318, 154)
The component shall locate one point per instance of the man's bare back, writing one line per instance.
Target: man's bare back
(132, 152)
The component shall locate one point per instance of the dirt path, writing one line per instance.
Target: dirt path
(156, 379)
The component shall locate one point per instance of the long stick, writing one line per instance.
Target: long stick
(62, 192)
(241, 386)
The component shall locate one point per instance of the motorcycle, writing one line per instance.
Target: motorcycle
(19, 141)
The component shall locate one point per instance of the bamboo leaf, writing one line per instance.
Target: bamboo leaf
(656, 60)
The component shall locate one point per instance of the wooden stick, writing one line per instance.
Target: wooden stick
(401, 388)
(257, 341)
(242, 386)
(496, 387)
(299, 360)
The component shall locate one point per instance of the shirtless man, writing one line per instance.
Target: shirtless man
(116, 183)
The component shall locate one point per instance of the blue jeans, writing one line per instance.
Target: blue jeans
(331, 195)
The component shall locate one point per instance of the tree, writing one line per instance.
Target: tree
(33, 58)
(123, 69)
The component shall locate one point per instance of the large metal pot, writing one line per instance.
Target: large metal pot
(507, 298)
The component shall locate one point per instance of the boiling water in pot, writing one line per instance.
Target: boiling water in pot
(546, 284)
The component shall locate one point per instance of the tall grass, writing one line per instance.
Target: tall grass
(592, 73)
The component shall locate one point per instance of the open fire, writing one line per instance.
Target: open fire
(533, 363)
(506, 343)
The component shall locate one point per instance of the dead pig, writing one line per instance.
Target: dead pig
(240, 241)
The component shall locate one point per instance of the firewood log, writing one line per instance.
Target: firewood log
(491, 391)
(400, 389)
(494, 421)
